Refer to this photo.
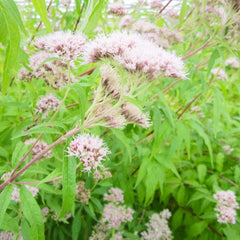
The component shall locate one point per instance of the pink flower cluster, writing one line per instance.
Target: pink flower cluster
(116, 215)
(156, 4)
(39, 147)
(16, 193)
(117, 8)
(135, 53)
(113, 216)
(226, 206)
(47, 104)
(220, 73)
(125, 21)
(157, 227)
(232, 62)
(89, 149)
(65, 45)
(115, 195)
(53, 72)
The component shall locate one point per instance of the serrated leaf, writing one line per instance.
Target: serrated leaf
(5, 198)
(202, 172)
(69, 185)
(124, 140)
(206, 139)
(217, 106)
(32, 213)
(41, 8)
(97, 203)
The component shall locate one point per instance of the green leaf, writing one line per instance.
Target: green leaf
(19, 150)
(197, 228)
(124, 140)
(92, 15)
(206, 139)
(10, 224)
(69, 185)
(32, 213)
(76, 225)
(157, 116)
(217, 106)
(82, 99)
(78, 6)
(12, 48)
(13, 10)
(42, 128)
(41, 8)
(202, 172)
(89, 209)
(183, 11)
(5, 198)
(53, 174)
(215, 55)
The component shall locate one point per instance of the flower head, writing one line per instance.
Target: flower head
(47, 104)
(90, 150)
(134, 115)
(116, 215)
(65, 45)
(232, 62)
(82, 193)
(115, 195)
(156, 4)
(39, 147)
(158, 227)
(220, 73)
(226, 206)
(117, 8)
(125, 21)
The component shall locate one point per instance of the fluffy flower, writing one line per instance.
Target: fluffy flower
(226, 206)
(53, 72)
(39, 147)
(135, 53)
(125, 21)
(158, 227)
(65, 45)
(156, 4)
(89, 149)
(232, 62)
(117, 8)
(116, 215)
(16, 193)
(220, 73)
(82, 193)
(47, 104)
(134, 115)
(115, 195)
(144, 27)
